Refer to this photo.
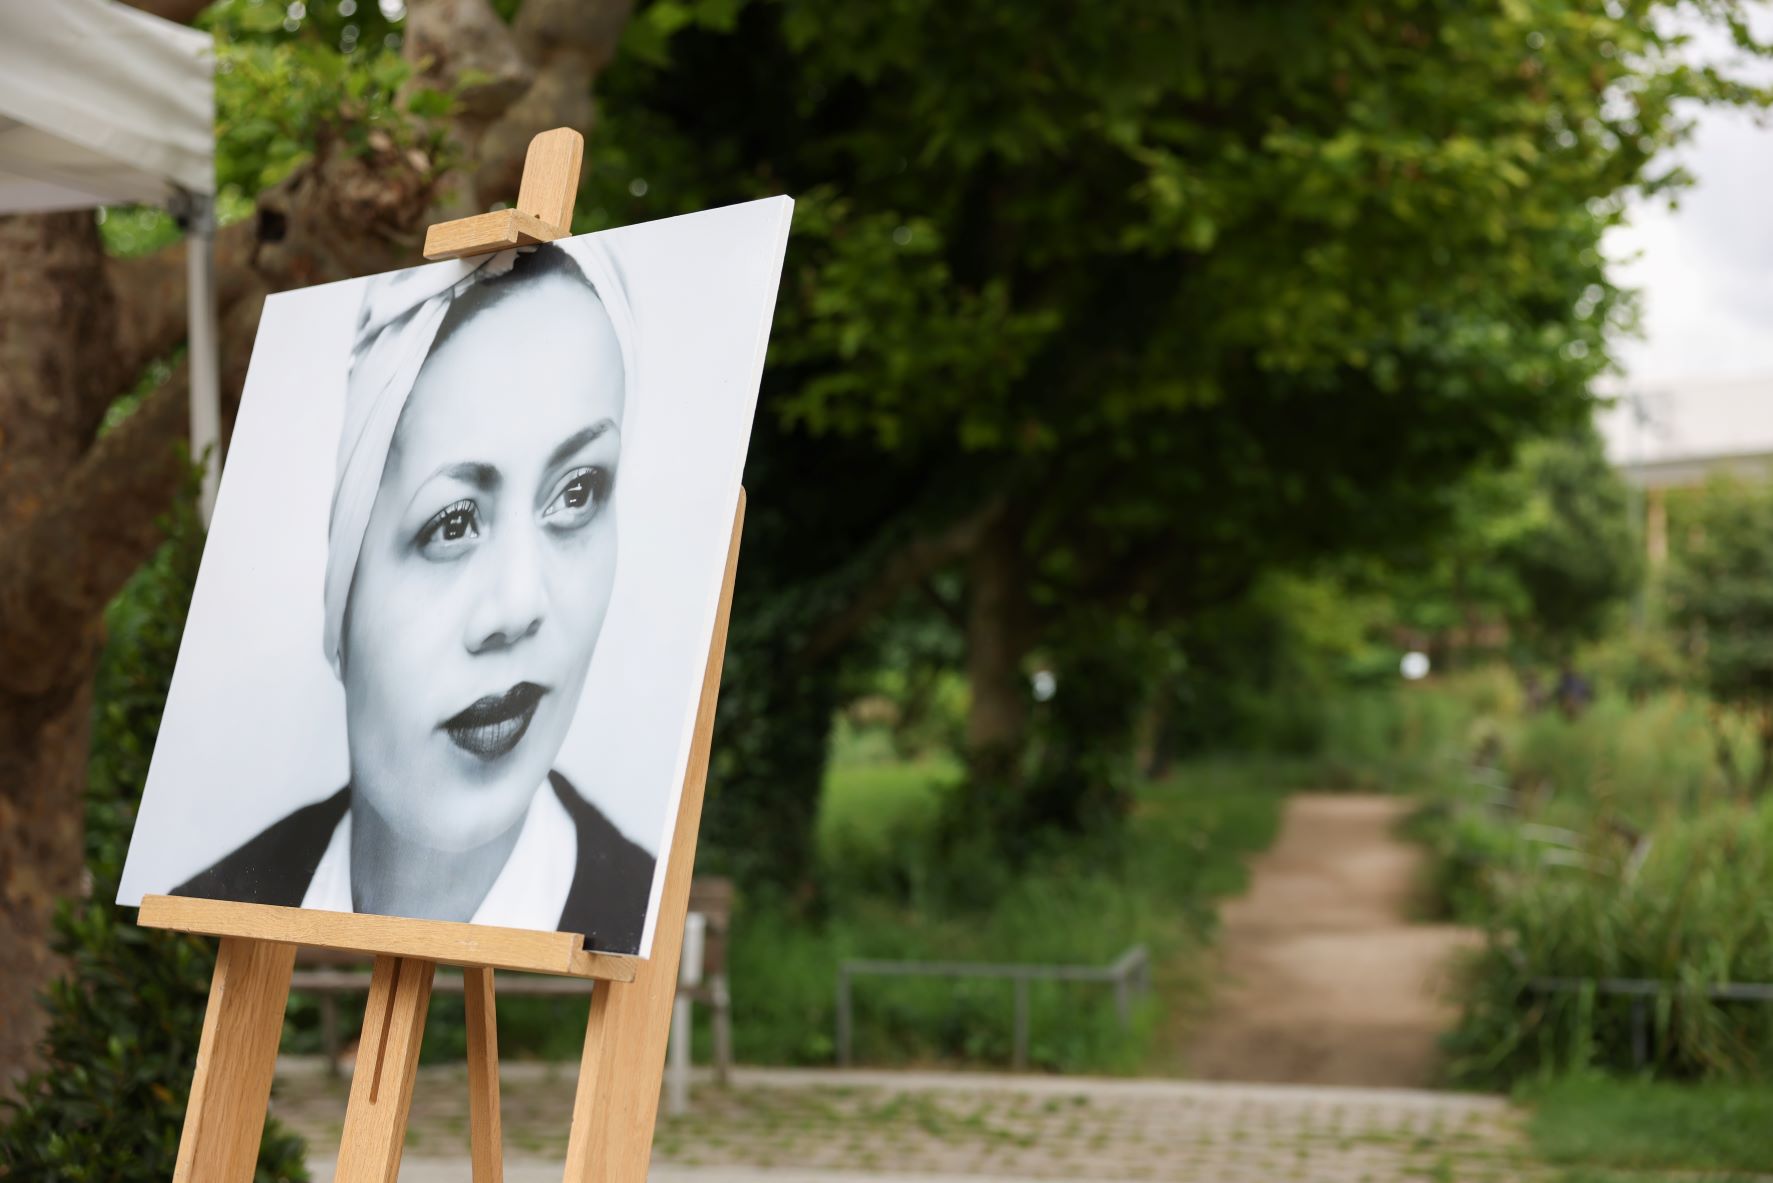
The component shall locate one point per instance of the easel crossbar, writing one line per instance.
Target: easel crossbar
(435, 940)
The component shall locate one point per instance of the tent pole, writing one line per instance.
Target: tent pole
(204, 365)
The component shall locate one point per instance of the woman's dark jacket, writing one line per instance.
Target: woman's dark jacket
(607, 901)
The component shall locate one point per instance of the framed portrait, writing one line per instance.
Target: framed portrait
(448, 637)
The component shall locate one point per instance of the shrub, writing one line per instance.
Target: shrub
(1721, 593)
(1691, 914)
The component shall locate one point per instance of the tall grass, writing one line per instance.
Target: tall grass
(1615, 845)
(1411, 738)
(1695, 913)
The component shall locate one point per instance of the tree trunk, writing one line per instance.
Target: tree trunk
(998, 636)
(42, 814)
(56, 313)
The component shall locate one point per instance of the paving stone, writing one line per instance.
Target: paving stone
(934, 1127)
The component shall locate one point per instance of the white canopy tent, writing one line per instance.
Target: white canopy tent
(101, 104)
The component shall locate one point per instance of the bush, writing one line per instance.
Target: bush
(108, 1105)
(1395, 739)
(1721, 594)
(1693, 915)
(1612, 848)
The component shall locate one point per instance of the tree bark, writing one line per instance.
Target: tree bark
(999, 627)
(79, 512)
(56, 315)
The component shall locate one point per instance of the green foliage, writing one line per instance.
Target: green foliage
(1721, 595)
(1261, 672)
(1692, 915)
(1546, 545)
(1609, 846)
(1404, 738)
(108, 1105)
(279, 95)
(1575, 549)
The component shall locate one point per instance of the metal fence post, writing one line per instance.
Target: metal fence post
(1640, 1034)
(329, 1032)
(1019, 1049)
(843, 1016)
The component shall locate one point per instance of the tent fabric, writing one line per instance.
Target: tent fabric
(101, 104)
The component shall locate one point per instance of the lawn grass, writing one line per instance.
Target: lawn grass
(1601, 1129)
(873, 806)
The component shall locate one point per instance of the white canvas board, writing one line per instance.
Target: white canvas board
(453, 492)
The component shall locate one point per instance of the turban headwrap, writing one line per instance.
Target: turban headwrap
(402, 313)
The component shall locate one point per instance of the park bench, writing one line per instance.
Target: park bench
(327, 974)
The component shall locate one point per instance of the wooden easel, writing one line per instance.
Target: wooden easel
(623, 1062)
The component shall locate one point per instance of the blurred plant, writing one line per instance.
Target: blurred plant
(1691, 914)
(1720, 593)
(1545, 545)
(366, 96)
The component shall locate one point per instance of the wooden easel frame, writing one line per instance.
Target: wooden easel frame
(623, 1063)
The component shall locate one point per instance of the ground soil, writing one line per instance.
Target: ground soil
(1324, 979)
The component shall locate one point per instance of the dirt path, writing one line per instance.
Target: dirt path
(1323, 978)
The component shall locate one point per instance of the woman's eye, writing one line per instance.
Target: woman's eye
(580, 493)
(451, 524)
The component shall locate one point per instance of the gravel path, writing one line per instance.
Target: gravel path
(1324, 980)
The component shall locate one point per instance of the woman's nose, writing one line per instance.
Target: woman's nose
(514, 599)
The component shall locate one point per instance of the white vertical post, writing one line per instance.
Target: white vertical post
(677, 1079)
(689, 976)
(202, 361)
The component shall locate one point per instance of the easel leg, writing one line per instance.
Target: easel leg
(617, 1103)
(231, 1089)
(483, 1076)
(586, 1146)
(387, 1062)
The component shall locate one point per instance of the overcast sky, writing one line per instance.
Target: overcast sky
(1706, 267)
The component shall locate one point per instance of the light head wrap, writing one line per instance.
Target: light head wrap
(402, 313)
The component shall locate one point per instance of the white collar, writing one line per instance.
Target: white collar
(530, 891)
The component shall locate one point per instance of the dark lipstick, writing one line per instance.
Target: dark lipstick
(490, 727)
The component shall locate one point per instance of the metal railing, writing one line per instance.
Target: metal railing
(1129, 975)
(1642, 991)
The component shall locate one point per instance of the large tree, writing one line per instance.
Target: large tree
(339, 176)
(1111, 308)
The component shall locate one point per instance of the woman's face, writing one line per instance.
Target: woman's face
(486, 567)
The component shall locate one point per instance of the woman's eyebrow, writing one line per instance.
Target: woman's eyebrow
(482, 476)
(577, 440)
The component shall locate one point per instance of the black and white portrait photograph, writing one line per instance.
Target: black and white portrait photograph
(449, 633)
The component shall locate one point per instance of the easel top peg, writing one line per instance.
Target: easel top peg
(544, 209)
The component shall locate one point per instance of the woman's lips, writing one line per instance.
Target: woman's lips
(490, 727)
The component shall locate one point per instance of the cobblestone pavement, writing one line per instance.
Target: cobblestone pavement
(799, 1126)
